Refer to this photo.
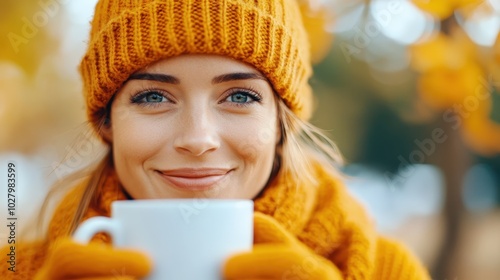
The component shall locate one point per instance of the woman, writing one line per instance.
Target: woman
(210, 99)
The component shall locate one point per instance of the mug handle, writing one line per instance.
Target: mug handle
(92, 226)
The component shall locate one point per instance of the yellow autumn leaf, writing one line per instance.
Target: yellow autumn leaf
(25, 33)
(443, 9)
(452, 52)
(494, 64)
(438, 8)
(480, 132)
(465, 3)
(316, 21)
(441, 88)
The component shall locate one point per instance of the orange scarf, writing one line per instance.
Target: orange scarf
(324, 217)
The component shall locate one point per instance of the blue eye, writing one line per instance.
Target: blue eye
(239, 98)
(149, 98)
(154, 97)
(243, 98)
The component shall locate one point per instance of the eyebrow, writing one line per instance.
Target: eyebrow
(164, 78)
(155, 77)
(237, 76)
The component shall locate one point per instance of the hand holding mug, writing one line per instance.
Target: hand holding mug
(70, 260)
(278, 254)
(187, 239)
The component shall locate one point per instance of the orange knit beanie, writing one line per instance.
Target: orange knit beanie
(127, 35)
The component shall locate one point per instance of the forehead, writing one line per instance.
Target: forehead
(194, 65)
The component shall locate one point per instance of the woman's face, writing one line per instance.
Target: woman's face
(194, 126)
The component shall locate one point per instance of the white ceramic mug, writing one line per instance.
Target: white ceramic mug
(187, 239)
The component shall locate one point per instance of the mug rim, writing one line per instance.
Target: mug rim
(176, 202)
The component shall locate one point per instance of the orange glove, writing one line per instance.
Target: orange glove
(70, 260)
(277, 254)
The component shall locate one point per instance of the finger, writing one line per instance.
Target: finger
(279, 262)
(268, 230)
(72, 260)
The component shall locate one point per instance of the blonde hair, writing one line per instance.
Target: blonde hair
(301, 146)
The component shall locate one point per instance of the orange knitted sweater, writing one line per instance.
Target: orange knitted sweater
(323, 217)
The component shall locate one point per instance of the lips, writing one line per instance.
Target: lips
(194, 179)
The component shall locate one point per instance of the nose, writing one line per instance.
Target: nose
(197, 132)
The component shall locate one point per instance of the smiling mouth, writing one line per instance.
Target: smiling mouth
(194, 181)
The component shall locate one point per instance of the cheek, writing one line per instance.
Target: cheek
(254, 144)
(255, 140)
(135, 138)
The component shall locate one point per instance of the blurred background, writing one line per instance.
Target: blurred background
(408, 89)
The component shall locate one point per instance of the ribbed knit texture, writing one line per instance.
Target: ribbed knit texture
(324, 218)
(128, 35)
